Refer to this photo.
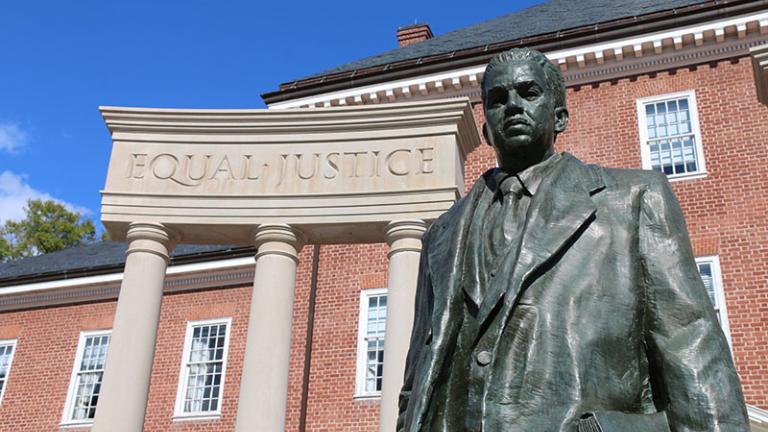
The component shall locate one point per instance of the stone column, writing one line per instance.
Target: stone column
(125, 385)
(404, 239)
(264, 383)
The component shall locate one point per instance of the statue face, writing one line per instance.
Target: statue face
(521, 116)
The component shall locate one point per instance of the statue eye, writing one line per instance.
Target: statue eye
(532, 92)
(497, 97)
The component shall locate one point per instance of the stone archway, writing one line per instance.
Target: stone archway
(278, 179)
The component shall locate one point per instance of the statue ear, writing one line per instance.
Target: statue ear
(486, 134)
(561, 119)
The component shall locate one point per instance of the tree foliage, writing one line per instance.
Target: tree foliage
(47, 227)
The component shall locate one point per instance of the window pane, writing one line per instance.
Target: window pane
(705, 271)
(375, 331)
(672, 106)
(204, 369)
(677, 153)
(6, 353)
(87, 385)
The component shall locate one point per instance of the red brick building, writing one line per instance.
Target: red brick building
(673, 86)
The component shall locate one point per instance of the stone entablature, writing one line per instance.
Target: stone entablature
(338, 175)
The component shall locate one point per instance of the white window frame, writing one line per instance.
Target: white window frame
(645, 151)
(178, 411)
(66, 419)
(717, 280)
(362, 346)
(12, 344)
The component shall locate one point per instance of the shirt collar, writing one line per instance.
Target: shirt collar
(526, 181)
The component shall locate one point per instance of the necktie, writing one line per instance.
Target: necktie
(506, 221)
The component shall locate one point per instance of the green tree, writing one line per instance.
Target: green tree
(47, 227)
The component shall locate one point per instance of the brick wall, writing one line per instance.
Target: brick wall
(42, 365)
(725, 212)
(344, 270)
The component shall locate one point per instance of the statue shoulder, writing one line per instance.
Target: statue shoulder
(456, 211)
(623, 178)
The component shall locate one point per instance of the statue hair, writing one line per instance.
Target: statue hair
(555, 80)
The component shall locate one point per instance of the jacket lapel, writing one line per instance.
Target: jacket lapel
(445, 256)
(448, 241)
(560, 209)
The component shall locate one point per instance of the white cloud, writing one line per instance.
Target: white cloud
(12, 137)
(14, 193)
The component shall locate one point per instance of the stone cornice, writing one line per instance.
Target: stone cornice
(680, 47)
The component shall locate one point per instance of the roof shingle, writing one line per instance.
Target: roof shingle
(545, 18)
(101, 255)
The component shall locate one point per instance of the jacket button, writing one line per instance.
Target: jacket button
(483, 358)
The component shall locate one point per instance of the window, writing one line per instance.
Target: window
(7, 349)
(709, 270)
(370, 344)
(88, 370)
(203, 365)
(669, 135)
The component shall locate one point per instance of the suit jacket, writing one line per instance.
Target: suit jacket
(603, 310)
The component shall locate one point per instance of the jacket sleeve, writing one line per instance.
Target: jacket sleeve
(693, 377)
(420, 334)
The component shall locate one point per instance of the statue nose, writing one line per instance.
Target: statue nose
(514, 102)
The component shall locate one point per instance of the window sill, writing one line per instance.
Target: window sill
(76, 425)
(196, 417)
(365, 397)
(684, 177)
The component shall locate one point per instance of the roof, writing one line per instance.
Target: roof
(548, 17)
(98, 258)
(554, 25)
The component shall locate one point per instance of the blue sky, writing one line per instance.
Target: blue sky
(60, 60)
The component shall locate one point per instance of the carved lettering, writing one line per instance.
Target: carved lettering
(164, 166)
(355, 162)
(283, 168)
(313, 164)
(192, 170)
(248, 174)
(376, 164)
(399, 162)
(138, 163)
(427, 155)
(332, 163)
(224, 167)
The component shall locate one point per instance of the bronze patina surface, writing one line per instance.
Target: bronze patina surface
(561, 296)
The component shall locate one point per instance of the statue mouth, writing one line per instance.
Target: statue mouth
(516, 126)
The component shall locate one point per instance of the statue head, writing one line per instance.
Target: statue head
(524, 104)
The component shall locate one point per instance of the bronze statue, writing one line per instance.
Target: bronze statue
(560, 296)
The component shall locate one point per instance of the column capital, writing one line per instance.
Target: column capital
(152, 238)
(404, 235)
(278, 239)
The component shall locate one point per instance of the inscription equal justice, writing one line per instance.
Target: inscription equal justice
(192, 170)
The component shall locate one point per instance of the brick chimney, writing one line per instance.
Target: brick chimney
(411, 34)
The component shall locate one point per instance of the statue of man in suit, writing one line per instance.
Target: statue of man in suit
(560, 296)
